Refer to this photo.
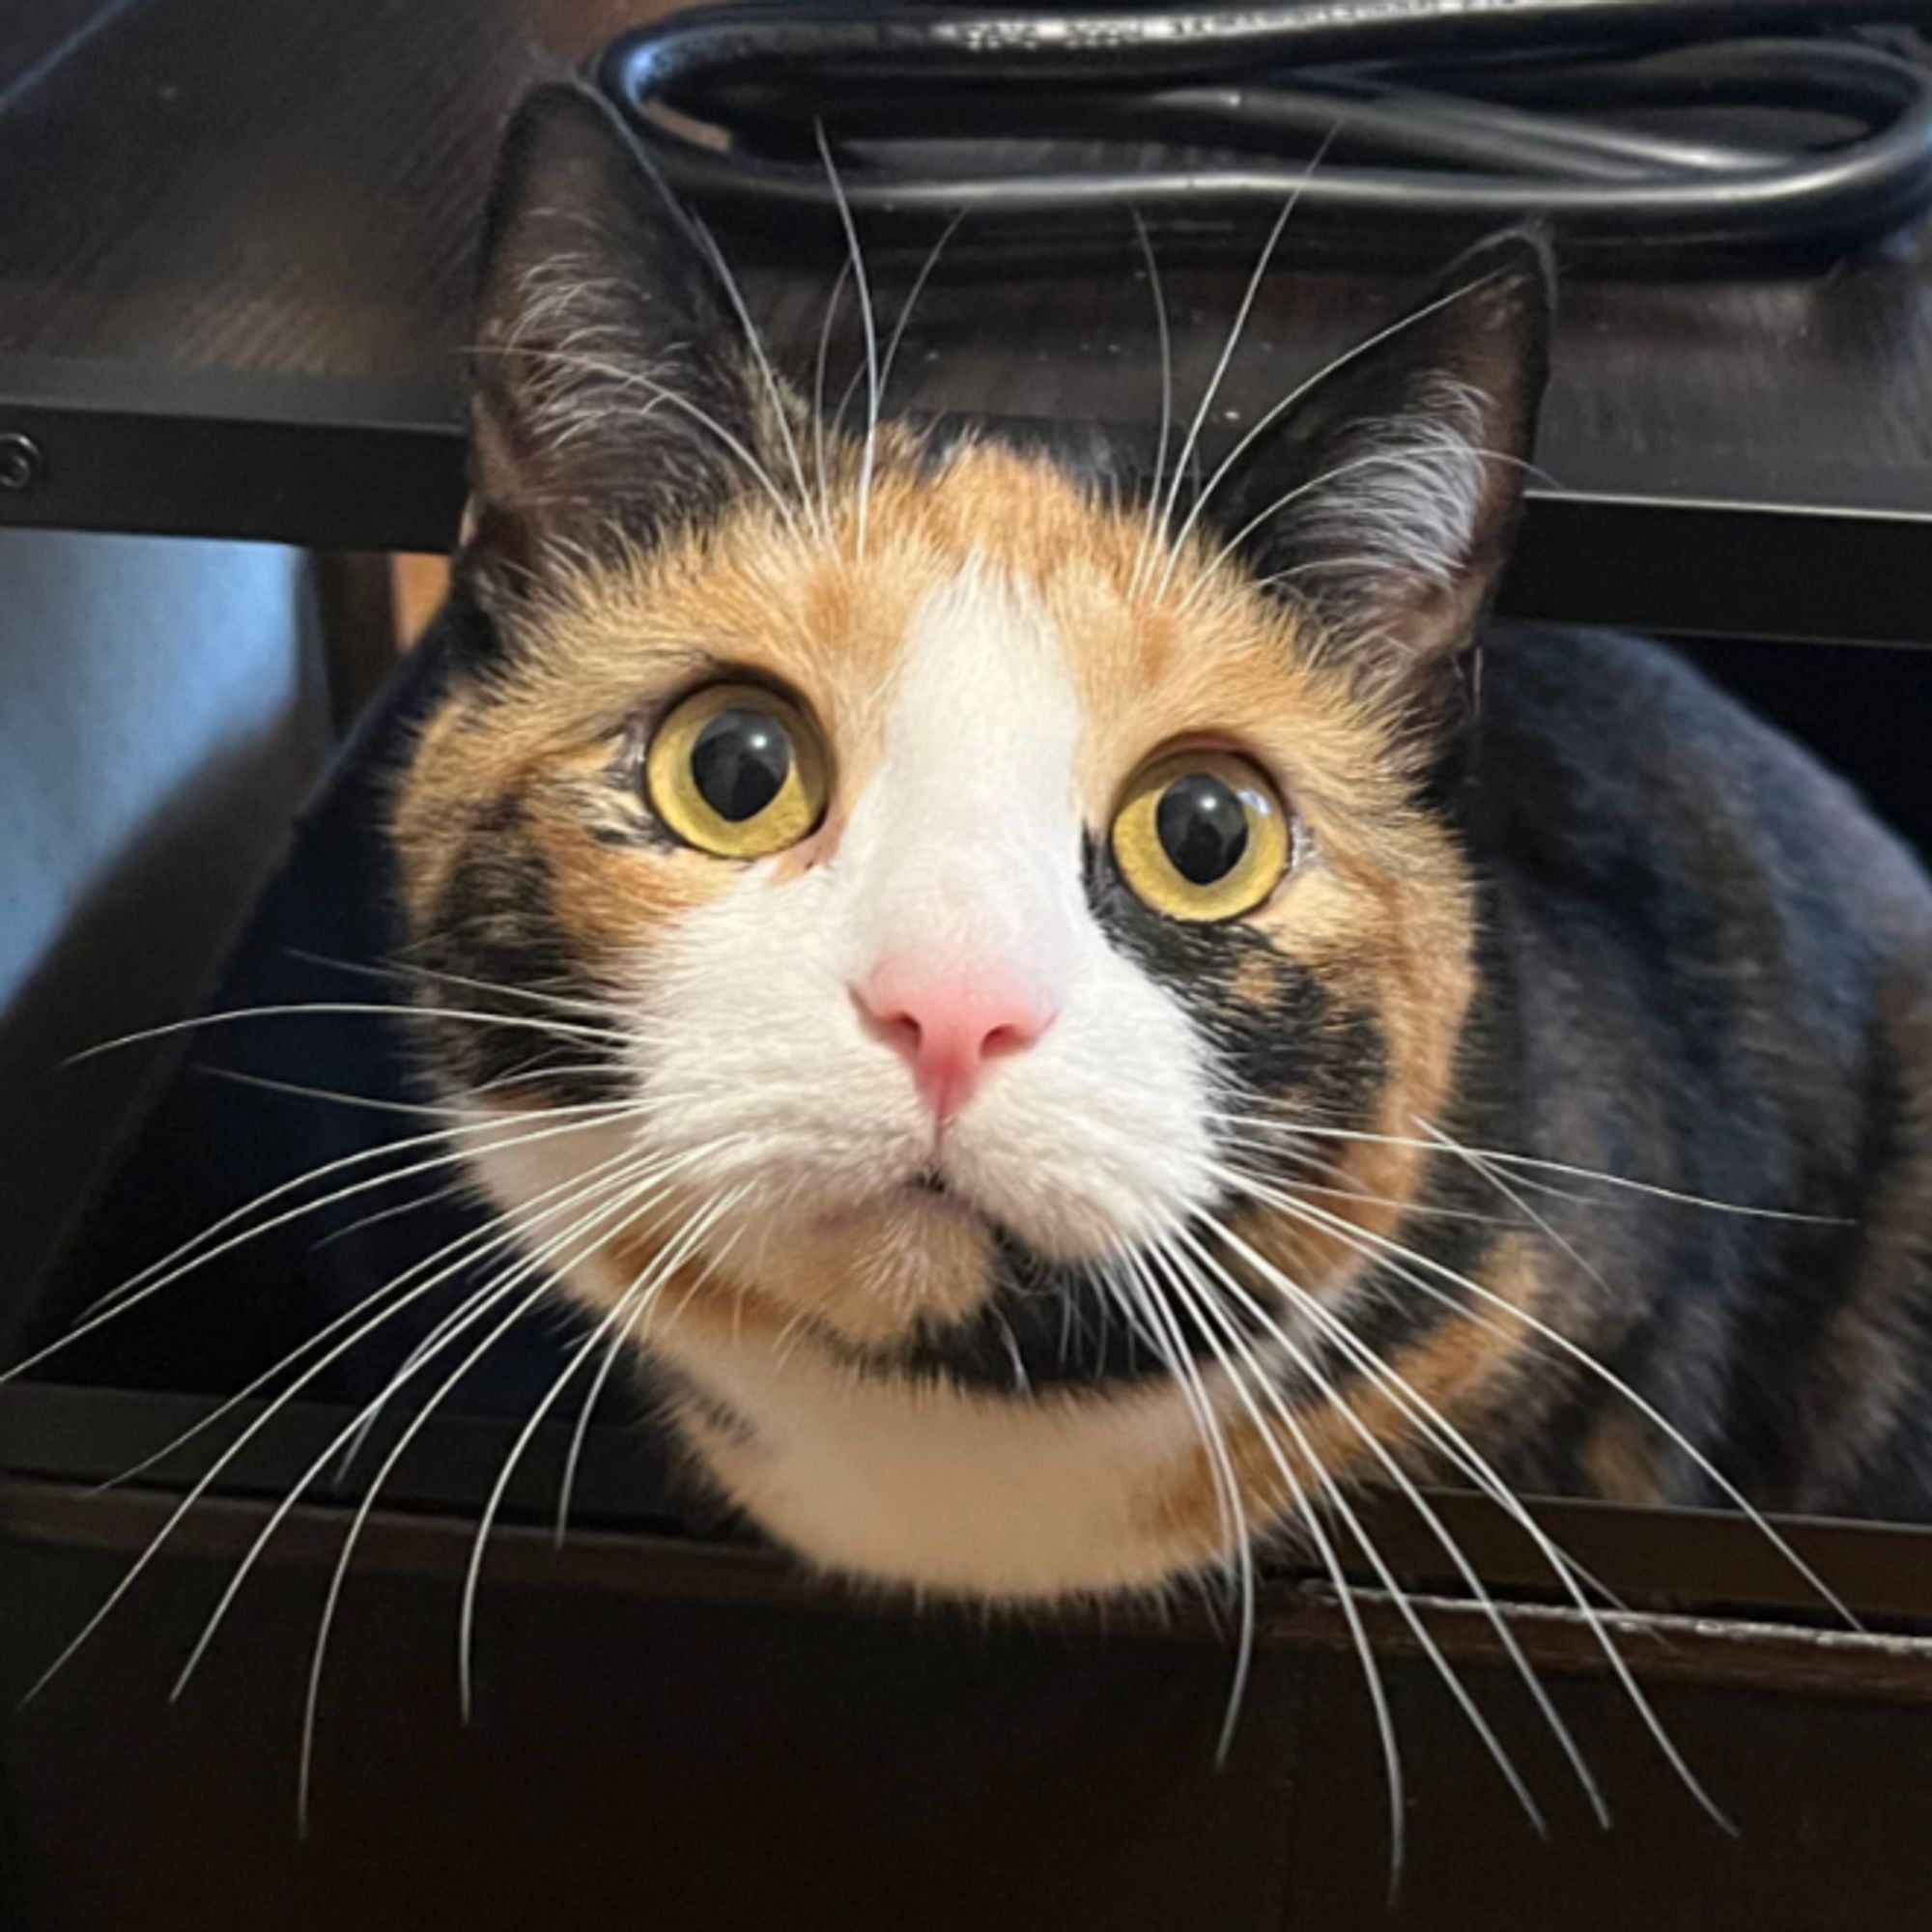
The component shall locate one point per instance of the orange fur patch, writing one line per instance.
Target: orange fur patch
(1620, 1458)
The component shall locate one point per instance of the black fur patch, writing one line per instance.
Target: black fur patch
(1050, 1324)
(496, 926)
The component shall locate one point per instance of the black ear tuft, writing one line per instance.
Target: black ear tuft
(1388, 495)
(608, 376)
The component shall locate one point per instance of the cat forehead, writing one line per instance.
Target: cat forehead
(993, 572)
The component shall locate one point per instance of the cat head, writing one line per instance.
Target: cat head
(916, 882)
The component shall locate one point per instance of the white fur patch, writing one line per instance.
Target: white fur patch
(950, 1491)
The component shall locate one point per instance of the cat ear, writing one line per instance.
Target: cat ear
(612, 393)
(1387, 497)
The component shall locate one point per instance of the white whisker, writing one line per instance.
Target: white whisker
(1140, 1322)
(913, 294)
(1186, 458)
(1433, 1424)
(1207, 1318)
(638, 1295)
(1295, 1496)
(471, 1246)
(1180, 1365)
(871, 327)
(567, 1486)
(1630, 1395)
(1404, 1262)
(1191, 440)
(899, 325)
(463, 1185)
(484, 1304)
(1569, 1577)
(143, 1287)
(544, 1073)
(1310, 1369)
(408, 973)
(374, 1103)
(1273, 1151)
(555, 1029)
(201, 1486)
(818, 419)
(607, 1112)
(1297, 1131)
(1394, 1257)
(1149, 535)
(755, 344)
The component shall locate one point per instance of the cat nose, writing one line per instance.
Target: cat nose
(946, 1022)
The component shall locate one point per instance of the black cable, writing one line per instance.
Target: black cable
(1691, 131)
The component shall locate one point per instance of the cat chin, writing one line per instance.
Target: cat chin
(871, 1272)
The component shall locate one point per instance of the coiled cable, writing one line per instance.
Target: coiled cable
(1687, 132)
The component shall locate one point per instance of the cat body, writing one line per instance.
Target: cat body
(1715, 971)
(1069, 1026)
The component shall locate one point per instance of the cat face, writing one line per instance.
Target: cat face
(936, 868)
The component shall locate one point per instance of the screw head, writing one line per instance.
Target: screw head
(21, 461)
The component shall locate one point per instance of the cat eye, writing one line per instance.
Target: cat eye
(736, 770)
(1201, 835)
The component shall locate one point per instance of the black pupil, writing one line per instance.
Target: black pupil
(1202, 827)
(740, 764)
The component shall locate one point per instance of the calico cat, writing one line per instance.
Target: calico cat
(1069, 1023)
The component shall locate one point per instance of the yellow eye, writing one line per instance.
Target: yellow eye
(1201, 835)
(738, 771)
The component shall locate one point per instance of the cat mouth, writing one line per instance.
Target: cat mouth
(929, 1193)
(921, 1195)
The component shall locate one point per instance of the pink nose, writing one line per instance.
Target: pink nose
(947, 1021)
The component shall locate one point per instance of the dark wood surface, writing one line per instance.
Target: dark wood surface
(234, 249)
(694, 1740)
